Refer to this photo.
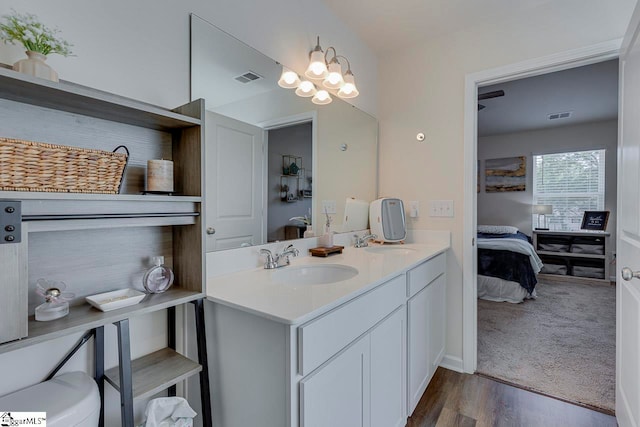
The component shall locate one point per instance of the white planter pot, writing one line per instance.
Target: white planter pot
(34, 65)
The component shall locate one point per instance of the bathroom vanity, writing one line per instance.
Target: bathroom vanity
(298, 346)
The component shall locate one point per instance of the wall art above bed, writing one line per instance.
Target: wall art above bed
(506, 174)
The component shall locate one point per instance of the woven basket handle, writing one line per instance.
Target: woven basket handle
(126, 163)
(125, 149)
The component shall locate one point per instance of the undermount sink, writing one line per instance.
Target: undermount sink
(394, 250)
(314, 274)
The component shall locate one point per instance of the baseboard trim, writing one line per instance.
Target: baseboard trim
(452, 362)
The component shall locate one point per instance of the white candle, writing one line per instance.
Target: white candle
(160, 175)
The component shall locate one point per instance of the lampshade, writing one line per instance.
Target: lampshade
(322, 98)
(306, 89)
(317, 68)
(543, 209)
(334, 78)
(348, 89)
(288, 79)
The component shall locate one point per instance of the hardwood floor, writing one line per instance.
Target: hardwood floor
(454, 399)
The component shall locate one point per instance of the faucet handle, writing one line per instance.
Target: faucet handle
(270, 261)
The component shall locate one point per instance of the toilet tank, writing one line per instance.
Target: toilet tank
(387, 220)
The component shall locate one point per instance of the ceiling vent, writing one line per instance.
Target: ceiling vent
(248, 77)
(564, 115)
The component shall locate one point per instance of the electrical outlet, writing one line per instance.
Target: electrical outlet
(414, 208)
(329, 206)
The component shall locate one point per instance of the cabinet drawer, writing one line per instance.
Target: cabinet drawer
(422, 275)
(321, 338)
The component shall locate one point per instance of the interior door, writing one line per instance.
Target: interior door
(235, 183)
(628, 235)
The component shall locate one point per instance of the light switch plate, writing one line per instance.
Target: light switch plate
(441, 208)
(329, 206)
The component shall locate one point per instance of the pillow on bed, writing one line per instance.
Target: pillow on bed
(497, 229)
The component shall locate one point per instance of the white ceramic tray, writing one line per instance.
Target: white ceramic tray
(116, 299)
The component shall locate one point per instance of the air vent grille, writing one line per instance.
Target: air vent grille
(248, 77)
(563, 115)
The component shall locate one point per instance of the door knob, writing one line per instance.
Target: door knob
(628, 274)
(211, 230)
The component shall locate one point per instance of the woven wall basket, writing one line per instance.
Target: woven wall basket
(37, 166)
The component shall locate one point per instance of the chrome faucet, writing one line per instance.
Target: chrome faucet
(287, 252)
(361, 242)
(273, 261)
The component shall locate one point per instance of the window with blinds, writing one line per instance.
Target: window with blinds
(572, 183)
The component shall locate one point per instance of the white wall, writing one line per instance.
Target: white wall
(514, 208)
(140, 50)
(430, 99)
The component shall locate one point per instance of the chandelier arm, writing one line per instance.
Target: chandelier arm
(345, 58)
(335, 54)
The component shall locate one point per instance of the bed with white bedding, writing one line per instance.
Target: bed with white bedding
(507, 266)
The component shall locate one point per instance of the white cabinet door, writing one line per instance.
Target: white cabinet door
(388, 371)
(437, 317)
(419, 365)
(337, 394)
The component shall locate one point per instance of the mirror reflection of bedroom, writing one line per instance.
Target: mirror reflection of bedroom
(546, 214)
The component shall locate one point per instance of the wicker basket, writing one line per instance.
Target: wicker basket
(37, 166)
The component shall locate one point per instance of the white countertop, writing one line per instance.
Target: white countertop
(256, 292)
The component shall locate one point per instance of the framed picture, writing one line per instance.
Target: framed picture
(507, 174)
(595, 220)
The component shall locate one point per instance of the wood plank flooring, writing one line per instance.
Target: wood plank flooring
(454, 399)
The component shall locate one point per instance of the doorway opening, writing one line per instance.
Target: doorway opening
(474, 334)
(289, 180)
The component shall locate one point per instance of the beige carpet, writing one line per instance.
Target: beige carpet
(561, 344)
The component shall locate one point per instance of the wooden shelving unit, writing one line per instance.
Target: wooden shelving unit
(572, 259)
(155, 372)
(88, 238)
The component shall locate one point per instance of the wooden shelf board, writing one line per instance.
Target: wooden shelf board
(155, 372)
(571, 279)
(34, 195)
(95, 224)
(571, 255)
(580, 233)
(90, 102)
(84, 317)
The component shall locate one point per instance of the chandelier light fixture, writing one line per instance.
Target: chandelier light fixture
(327, 72)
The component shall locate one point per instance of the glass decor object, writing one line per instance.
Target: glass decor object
(158, 278)
(56, 303)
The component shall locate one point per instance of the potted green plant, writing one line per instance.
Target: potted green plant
(38, 40)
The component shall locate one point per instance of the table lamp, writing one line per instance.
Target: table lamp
(542, 211)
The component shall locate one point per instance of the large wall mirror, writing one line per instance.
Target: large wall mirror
(272, 155)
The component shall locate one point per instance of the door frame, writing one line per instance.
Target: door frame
(534, 67)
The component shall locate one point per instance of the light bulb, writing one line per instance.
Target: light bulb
(306, 89)
(334, 79)
(348, 90)
(317, 68)
(322, 98)
(288, 79)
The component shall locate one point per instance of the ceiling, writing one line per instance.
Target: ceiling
(590, 93)
(388, 25)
